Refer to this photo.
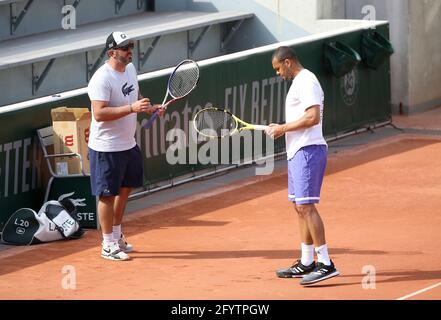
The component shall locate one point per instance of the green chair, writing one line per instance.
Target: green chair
(79, 183)
(375, 49)
(340, 59)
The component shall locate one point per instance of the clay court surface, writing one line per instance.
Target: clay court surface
(380, 204)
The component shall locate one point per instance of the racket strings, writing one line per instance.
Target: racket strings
(184, 80)
(215, 123)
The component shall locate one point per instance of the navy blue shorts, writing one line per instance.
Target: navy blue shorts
(305, 174)
(110, 171)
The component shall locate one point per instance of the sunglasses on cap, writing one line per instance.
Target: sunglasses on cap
(131, 45)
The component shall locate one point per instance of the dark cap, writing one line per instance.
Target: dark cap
(117, 39)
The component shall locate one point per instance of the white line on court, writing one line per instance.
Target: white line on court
(420, 291)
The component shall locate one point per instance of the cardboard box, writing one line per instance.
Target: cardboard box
(71, 128)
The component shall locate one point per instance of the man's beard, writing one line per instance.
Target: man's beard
(124, 61)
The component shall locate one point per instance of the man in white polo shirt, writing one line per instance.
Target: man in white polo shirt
(307, 155)
(115, 159)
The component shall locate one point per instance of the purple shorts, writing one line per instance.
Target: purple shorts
(305, 174)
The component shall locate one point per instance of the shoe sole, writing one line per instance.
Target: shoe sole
(113, 259)
(334, 274)
(290, 277)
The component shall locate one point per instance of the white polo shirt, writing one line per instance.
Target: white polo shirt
(119, 89)
(305, 91)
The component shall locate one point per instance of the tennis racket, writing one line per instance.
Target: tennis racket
(182, 81)
(219, 123)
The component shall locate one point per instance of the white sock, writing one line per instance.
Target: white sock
(117, 232)
(322, 255)
(107, 238)
(307, 254)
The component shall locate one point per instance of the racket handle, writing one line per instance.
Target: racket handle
(152, 119)
(260, 127)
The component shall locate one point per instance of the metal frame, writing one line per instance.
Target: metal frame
(91, 68)
(37, 80)
(369, 127)
(45, 134)
(15, 20)
(149, 5)
(118, 5)
(74, 4)
(192, 45)
(143, 56)
(230, 35)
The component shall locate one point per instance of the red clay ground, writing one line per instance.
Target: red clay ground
(380, 204)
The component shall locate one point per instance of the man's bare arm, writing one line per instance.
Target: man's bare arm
(102, 112)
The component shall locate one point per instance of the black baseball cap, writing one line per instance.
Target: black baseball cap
(117, 39)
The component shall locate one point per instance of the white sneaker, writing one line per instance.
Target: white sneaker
(112, 251)
(124, 245)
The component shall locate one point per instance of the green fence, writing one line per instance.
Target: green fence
(245, 83)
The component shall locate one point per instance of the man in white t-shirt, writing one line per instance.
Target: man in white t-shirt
(307, 155)
(115, 159)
